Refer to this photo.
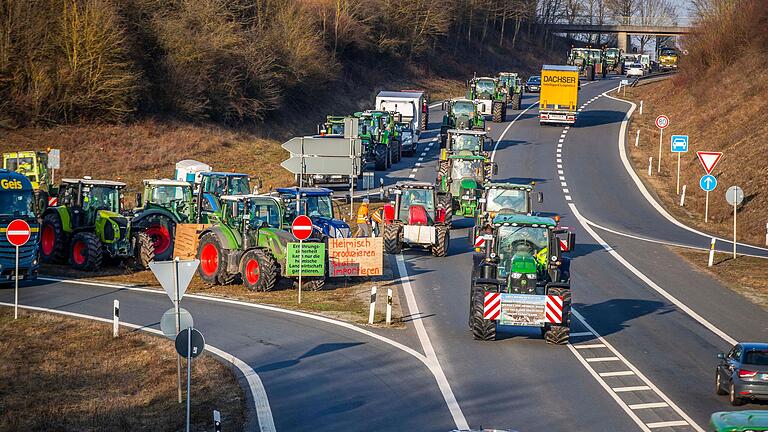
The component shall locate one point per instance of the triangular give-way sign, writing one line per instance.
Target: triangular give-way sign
(709, 159)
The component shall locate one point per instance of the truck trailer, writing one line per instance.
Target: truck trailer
(559, 94)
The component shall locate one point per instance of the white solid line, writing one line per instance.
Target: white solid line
(256, 386)
(667, 424)
(641, 186)
(648, 281)
(567, 197)
(581, 334)
(589, 346)
(649, 405)
(566, 191)
(501, 137)
(630, 389)
(602, 359)
(615, 374)
(426, 345)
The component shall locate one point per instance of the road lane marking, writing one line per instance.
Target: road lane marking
(561, 140)
(559, 160)
(615, 374)
(666, 424)
(566, 191)
(567, 197)
(589, 346)
(412, 176)
(501, 137)
(560, 171)
(423, 154)
(648, 405)
(255, 385)
(420, 159)
(630, 389)
(602, 359)
(562, 178)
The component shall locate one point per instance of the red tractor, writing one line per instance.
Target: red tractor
(414, 218)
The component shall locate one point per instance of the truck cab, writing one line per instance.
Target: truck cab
(17, 202)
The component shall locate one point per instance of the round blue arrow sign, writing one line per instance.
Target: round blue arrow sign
(708, 183)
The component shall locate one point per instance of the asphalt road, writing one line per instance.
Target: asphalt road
(656, 313)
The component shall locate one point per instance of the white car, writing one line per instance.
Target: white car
(635, 70)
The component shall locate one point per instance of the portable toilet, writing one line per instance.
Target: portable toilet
(189, 170)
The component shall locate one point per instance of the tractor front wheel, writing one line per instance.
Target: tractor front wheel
(442, 241)
(86, 252)
(393, 238)
(258, 270)
(559, 334)
(161, 232)
(213, 266)
(53, 240)
(497, 112)
(446, 201)
(482, 329)
(516, 101)
(143, 251)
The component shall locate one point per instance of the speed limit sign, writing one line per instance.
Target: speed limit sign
(662, 121)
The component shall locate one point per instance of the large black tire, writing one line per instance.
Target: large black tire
(443, 136)
(143, 251)
(162, 232)
(258, 269)
(53, 240)
(482, 329)
(497, 112)
(516, 101)
(718, 385)
(398, 151)
(381, 158)
(393, 238)
(41, 201)
(212, 269)
(442, 240)
(591, 73)
(86, 252)
(446, 202)
(559, 334)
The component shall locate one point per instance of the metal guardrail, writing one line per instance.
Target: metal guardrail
(652, 78)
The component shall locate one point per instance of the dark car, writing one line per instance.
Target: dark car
(533, 84)
(743, 373)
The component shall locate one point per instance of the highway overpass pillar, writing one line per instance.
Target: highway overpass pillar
(623, 41)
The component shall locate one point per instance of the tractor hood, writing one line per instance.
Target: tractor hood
(334, 228)
(468, 183)
(522, 262)
(462, 121)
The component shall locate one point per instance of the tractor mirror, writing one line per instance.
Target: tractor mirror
(495, 168)
(138, 199)
(540, 197)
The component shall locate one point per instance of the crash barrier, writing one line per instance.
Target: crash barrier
(651, 78)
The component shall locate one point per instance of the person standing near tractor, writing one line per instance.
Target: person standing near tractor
(377, 218)
(363, 220)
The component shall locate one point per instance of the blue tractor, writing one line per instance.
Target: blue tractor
(318, 205)
(17, 199)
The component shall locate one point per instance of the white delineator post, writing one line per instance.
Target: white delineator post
(711, 253)
(766, 234)
(650, 166)
(372, 309)
(682, 197)
(637, 138)
(116, 319)
(641, 107)
(389, 306)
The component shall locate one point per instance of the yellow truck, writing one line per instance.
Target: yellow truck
(559, 94)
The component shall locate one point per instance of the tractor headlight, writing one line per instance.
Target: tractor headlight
(516, 275)
(531, 275)
(466, 197)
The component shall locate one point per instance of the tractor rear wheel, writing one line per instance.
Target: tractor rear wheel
(144, 251)
(516, 100)
(86, 252)
(398, 151)
(53, 240)
(443, 136)
(559, 334)
(258, 270)
(496, 112)
(213, 264)
(161, 231)
(442, 240)
(482, 329)
(393, 238)
(446, 201)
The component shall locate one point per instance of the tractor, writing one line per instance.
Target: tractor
(334, 125)
(512, 87)
(162, 205)
(317, 203)
(414, 218)
(590, 62)
(87, 226)
(503, 197)
(521, 277)
(459, 179)
(34, 165)
(613, 61)
(488, 93)
(248, 242)
(460, 114)
(214, 185)
(381, 140)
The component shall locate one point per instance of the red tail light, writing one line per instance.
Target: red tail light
(440, 217)
(389, 212)
(743, 373)
(424, 108)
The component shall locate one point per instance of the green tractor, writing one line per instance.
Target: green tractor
(249, 242)
(34, 165)
(590, 61)
(415, 218)
(460, 114)
(381, 140)
(522, 278)
(87, 226)
(334, 125)
(613, 61)
(460, 177)
(163, 205)
(512, 87)
(488, 93)
(505, 197)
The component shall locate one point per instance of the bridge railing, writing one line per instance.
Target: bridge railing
(659, 20)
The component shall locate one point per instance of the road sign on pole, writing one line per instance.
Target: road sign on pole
(734, 195)
(302, 229)
(662, 122)
(17, 232)
(168, 322)
(190, 344)
(679, 146)
(707, 183)
(709, 159)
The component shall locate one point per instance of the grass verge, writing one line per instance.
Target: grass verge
(60, 373)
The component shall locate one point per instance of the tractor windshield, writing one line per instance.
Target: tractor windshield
(516, 239)
(312, 206)
(594, 54)
(226, 185)
(166, 195)
(462, 169)
(485, 86)
(337, 128)
(510, 199)
(468, 143)
(16, 204)
(464, 107)
(579, 54)
(101, 198)
(416, 197)
(265, 214)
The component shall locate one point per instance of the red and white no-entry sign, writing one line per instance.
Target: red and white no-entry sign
(18, 232)
(662, 121)
(302, 227)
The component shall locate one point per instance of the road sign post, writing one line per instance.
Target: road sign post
(734, 195)
(189, 343)
(662, 122)
(301, 229)
(707, 183)
(17, 233)
(679, 146)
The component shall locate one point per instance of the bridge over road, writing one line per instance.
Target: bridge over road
(623, 31)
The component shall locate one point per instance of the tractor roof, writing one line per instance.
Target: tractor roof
(414, 185)
(509, 186)
(736, 420)
(22, 153)
(307, 191)
(400, 94)
(247, 197)
(514, 219)
(470, 156)
(467, 132)
(508, 73)
(167, 182)
(454, 100)
(222, 174)
(484, 78)
(91, 182)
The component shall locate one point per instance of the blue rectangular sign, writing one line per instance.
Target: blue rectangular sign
(679, 143)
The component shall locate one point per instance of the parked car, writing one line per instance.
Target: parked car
(743, 373)
(635, 70)
(533, 84)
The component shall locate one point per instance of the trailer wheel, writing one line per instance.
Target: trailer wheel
(482, 329)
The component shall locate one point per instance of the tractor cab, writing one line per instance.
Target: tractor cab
(33, 164)
(512, 87)
(460, 114)
(380, 137)
(334, 125)
(172, 195)
(505, 197)
(487, 92)
(415, 218)
(461, 175)
(317, 203)
(467, 142)
(216, 184)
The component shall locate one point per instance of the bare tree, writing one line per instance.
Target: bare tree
(655, 13)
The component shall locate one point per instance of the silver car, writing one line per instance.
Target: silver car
(743, 373)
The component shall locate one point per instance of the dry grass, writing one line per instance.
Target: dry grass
(745, 275)
(60, 373)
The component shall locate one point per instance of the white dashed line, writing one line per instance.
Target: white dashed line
(423, 154)
(562, 136)
(562, 178)
(418, 164)
(566, 191)
(412, 176)
(559, 161)
(415, 169)
(563, 184)
(560, 172)
(560, 166)
(602, 359)
(420, 159)
(648, 405)
(561, 140)
(615, 374)
(629, 388)
(567, 197)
